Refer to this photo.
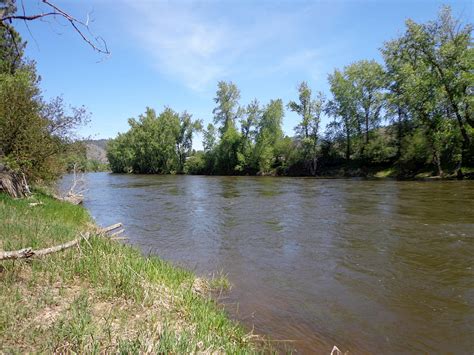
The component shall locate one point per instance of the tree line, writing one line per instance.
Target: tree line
(412, 113)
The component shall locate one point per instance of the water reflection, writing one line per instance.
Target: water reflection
(372, 266)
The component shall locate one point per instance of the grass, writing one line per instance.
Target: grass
(102, 296)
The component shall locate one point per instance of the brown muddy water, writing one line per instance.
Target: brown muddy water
(369, 266)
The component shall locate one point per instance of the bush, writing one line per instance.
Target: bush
(195, 164)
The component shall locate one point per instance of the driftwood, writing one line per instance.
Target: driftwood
(73, 196)
(14, 184)
(111, 228)
(29, 252)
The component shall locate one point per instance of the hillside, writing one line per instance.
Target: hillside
(96, 150)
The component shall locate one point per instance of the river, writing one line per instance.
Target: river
(369, 266)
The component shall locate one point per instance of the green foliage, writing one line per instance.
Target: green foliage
(227, 110)
(228, 159)
(34, 136)
(268, 135)
(342, 107)
(154, 144)
(196, 164)
(430, 68)
(416, 152)
(307, 130)
(356, 104)
(381, 149)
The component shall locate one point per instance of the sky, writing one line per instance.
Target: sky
(173, 53)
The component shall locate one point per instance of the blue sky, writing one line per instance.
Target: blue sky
(172, 53)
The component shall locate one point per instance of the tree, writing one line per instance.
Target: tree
(184, 142)
(209, 139)
(249, 123)
(443, 48)
(209, 144)
(395, 98)
(227, 110)
(228, 159)
(429, 71)
(367, 79)
(34, 135)
(154, 144)
(307, 130)
(269, 134)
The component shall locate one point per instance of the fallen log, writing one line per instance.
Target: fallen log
(117, 233)
(75, 199)
(118, 238)
(111, 227)
(29, 252)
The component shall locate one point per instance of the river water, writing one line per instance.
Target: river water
(369, 266)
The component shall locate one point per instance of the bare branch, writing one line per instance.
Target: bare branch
(29, 252)
(97, 43)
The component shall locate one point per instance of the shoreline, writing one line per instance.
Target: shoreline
(102, 295)
(378, 175)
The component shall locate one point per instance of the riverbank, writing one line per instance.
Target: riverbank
(344, 172)
(102, 296)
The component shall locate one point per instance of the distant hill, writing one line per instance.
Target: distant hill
(96, 149)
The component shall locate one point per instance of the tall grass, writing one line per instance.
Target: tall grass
(102, 296)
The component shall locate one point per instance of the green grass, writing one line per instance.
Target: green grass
(102, 296)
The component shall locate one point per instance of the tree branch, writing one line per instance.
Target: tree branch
(98, 44)
(29, 252)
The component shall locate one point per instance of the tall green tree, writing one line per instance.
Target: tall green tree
(249, 123)
(229, 159)
(227, 110)
(367, 79)
(310, 110)
(209, 138)
(269, 134)
(444, 48)
(341, 108)
(154, 144)
(430, 67)
(184, 141)
(397, 110)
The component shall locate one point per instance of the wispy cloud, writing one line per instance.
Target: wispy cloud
(181, 42)
(198, 45)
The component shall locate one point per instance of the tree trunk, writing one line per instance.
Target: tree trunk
(399, 133)
(437, 160)
(313, 165)
(348, 145)
(14, 184)
(366, 128)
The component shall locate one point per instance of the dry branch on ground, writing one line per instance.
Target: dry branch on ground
(29, 252)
